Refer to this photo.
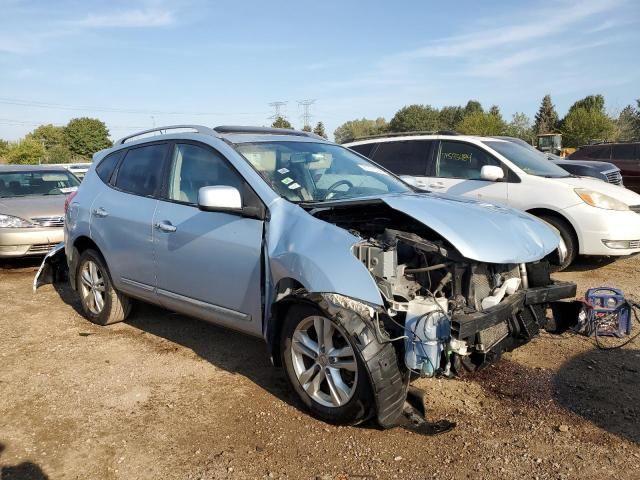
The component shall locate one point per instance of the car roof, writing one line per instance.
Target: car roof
(476, 138)
(31, 168)
(231, 133)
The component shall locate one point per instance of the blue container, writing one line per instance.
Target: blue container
(610, 313)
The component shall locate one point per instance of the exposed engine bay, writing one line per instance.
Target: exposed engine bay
(452, 314)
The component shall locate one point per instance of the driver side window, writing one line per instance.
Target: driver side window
(462, 160)
(194, 167)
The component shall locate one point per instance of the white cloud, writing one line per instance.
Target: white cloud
(128, 19)
(545, 23)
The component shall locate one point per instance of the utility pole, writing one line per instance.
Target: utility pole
(306, 115)
(278, 112)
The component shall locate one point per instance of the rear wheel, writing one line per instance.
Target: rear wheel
(101, 302)
(325, 368)
(568, 242)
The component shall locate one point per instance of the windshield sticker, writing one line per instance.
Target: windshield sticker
(294, 186)
(287, 180)
(370, 168)
(68, 189)
(283, 170)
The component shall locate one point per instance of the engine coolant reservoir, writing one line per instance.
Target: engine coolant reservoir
(428, 329)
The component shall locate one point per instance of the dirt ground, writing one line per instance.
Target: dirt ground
(165, 396)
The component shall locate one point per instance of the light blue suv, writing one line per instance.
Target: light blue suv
(354, 279)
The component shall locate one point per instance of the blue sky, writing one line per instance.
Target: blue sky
(136, 63)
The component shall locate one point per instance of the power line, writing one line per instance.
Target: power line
(306, 115)
(59, 106)
(277, 107)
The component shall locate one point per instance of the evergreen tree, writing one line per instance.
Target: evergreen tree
(546, 120)
(281, 122)
(319, 130)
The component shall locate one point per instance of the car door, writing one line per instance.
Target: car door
(626, 156)
(121, 219)
(406, 158)
(208, 263)
(456, 170)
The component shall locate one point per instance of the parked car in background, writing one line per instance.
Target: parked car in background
(605, 171)
(593, 217)
(78, 169)
(625, 156)
(353, 277)
(32, 208)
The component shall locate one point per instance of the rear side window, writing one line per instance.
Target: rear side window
(597, 152)
(364, 149)
(141, 170)
(405, 157)
(108, 164)
(624, 152)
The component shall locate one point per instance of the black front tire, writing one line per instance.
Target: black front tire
(360, 406)
(570, 240)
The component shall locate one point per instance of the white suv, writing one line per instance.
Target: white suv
(593, 217)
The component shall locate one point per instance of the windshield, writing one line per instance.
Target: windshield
(528, 159)
(316, 172)
(37, 182)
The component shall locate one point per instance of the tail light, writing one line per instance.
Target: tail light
(67, 200)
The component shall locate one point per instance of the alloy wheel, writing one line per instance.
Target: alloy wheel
(324, 361)
(92, 287)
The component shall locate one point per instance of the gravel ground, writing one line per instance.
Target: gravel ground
(165, 396)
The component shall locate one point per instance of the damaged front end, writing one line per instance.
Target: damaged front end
(53, 267)
(444, 313)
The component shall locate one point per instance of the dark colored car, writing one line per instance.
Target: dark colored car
(625, 156)
(582, 168)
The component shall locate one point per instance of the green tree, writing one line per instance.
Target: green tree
(4, 148)
(319, 130)
(85, 136)
(58, 154)
(479, 123)
(546, 120)
(281, 122)
(495, 110)
(359, 128)
(49, 135)
(450, 116)
(414, 118)
(306, 128)
(590, 103)
(520, 127)
(627, 125)
(26, 152)
(473, 106)
(582, 125)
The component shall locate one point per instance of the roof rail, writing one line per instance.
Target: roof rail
(198, 128)
(230, 129)
(404, 134)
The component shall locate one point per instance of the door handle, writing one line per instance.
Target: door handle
(100, 212)
(436, 185)
(165, 227)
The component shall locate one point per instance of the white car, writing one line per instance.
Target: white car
(592, 217)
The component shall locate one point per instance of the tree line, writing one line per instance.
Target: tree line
(281, 122)
(586, 121)
(77, 141)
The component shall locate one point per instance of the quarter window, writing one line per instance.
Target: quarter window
(462, 160)
(108, 164)
(623, 152)
(141, 170)
(404, 158)
(194, 167)
(364, 149)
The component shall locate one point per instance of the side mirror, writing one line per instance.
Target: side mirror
(220, 199)
(491, 173)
